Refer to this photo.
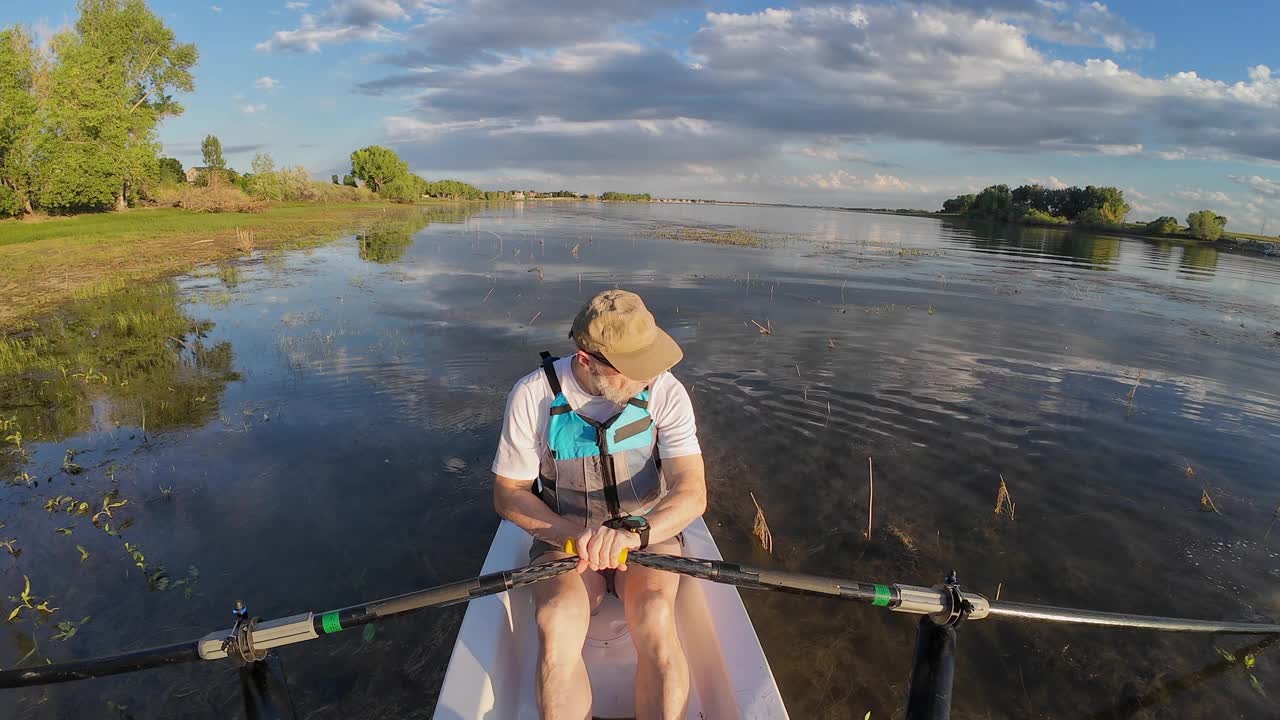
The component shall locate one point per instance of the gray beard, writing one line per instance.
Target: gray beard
(608, 392)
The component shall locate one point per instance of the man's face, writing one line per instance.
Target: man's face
(611, 384)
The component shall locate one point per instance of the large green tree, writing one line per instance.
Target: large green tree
(377, 167)
(115, 74)
(19, 128)
(1206, 224)
(171, 171)
(1110, 203)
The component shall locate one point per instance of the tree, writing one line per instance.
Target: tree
(334, 178)
(377, 166)
(211, 149)
(1165, 225)
(994, 202)
(1110, 203)
(1206, 224)
(453, 190)
(958, 204)
(19, 64)
(116, 72)
(406, 188)
(171, 171)
(349, 181)
(1093, 218)
(1033, 197)
(263, 163)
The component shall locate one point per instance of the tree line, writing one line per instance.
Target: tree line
(78, 125)
(1089, 206)
(382, 171)
(625, 197)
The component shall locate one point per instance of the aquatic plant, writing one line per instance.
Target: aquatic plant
(27, 601)
(244, 240)
(1004, 502)
(716, 236)
(760, 527)
(871, 494)
(67, 629)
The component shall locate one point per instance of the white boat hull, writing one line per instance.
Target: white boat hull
(491, 672)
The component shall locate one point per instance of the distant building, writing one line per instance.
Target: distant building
(517, 195)
(194, 173)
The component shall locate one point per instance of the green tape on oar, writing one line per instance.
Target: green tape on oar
(882, 595)
(329, 621)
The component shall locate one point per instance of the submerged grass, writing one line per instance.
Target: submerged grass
(734, 236)
(46, 263)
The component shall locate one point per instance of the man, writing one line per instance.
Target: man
(601, 447)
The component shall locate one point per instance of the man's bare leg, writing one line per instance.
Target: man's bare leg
(662, 672)
(562, 607)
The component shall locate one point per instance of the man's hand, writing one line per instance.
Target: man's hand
(599, 548)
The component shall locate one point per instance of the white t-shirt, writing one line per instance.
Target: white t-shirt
(523, 445)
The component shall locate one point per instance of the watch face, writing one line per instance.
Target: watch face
(635, 523)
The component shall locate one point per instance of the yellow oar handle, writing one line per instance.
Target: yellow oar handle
(572, 548)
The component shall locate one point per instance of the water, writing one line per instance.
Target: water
(310, 430)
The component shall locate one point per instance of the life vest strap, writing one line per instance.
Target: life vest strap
(548, 369)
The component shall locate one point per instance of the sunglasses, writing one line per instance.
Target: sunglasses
(600, 358)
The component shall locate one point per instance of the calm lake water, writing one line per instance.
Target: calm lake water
(312, 429)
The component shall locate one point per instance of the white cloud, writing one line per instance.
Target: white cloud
(1216, 197)
(1258, 184)
(215, 8)
(297, 5)
(252, 109)
(1134, 149)
(310, 37)
(266, 82)
(845, 181)
(345, 21)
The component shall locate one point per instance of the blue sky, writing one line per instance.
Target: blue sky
(896, 104)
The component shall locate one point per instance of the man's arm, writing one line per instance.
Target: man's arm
(515, 501)
(685, 500)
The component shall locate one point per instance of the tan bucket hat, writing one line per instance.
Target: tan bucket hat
(616, 325)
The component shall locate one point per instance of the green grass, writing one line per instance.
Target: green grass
(47, 262)
(146, 223)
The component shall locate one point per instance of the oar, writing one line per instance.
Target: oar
(286, 631)
(309, 626)
(920, 600)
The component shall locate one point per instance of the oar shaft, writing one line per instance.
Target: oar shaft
(926, 601)
(98, 667)
(1024, 611)
(760, 579)
(442, 596)
(287, 631)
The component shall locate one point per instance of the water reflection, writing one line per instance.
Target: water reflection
(385, 241)
(132, 357)
(1096, 252)
(355, 419)
(1198, 262)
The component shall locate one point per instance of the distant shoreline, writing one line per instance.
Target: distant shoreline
(1240, 242)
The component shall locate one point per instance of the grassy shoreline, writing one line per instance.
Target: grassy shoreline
(46, 263)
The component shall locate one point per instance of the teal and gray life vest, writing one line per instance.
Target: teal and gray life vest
(602, 469)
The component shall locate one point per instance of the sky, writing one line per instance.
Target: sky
(877, 104)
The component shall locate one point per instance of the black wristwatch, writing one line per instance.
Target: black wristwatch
(632, 524)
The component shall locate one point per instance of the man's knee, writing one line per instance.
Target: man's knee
(652, 618)
(562, 621)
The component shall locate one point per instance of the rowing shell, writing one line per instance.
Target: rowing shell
(491, 671)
